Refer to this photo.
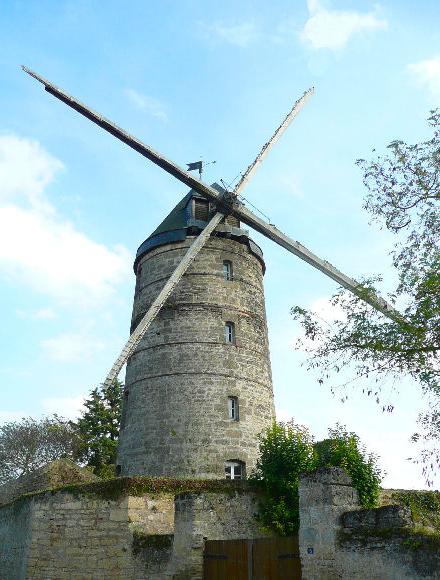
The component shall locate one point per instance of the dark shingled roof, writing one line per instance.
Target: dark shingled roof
(174, 226)
(178, 218)
(180, 222)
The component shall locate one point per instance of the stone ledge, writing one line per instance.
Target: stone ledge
(386, 517)
(327, 476)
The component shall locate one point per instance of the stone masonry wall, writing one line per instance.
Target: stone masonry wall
(323, 497)
(209, 516)
(81, 535)
(64, 536)
(338, 540)
(15, 539)
(175, 418)
(379, 539)
(61, 535)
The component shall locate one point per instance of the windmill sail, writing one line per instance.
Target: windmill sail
(160, 300)
(298, 105)
(237, 209)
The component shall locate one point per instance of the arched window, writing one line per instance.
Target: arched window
(229, 332)
(233, 408)
(227, 270)
(235, 469)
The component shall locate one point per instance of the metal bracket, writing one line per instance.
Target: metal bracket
(227, 203)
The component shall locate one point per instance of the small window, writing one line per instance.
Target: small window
(233, 408)
(234, 469)
(229, 332)
(201, 210)
(227, 270)
(118, 470)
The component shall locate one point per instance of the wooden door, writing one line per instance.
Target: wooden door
(260, 559)
(226, 560)
(276, 559)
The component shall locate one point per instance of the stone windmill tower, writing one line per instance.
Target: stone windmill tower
(198, 374)
(198, 386)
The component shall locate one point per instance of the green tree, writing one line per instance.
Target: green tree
(98, 429)
(286, 451)
(403, 196)
(29, 444)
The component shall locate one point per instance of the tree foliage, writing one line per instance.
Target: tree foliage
(29, 444)
(287, 450)
(403, 195)
(98, 429)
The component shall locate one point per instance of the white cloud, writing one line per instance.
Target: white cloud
(26, 169)
(66, 407)
(41, 314)
(45, 314)
(332, 29)
(236, 34)
(427, 74)
(146, 103)
(37, 246)
(69, 347)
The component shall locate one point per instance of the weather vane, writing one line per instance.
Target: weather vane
(198, 166)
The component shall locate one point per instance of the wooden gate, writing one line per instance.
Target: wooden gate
(261, 559)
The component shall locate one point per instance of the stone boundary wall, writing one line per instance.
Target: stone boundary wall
(15, 539)
(338, 540)
(96, 532)
(80, 535)
(72, 536)
(209, 516)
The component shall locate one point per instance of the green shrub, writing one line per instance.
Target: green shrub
(424, 506)
(287, 450)
(344, 449)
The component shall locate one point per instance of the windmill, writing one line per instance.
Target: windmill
(223, 203)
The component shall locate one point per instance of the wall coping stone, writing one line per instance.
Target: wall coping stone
(327, 476)
(396, 517)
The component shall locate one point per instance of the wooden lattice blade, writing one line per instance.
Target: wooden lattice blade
(160, 300)
(237, 209)
(298, 105)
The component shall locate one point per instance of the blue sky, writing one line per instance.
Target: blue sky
(195, 79)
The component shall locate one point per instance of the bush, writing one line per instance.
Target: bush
(344, 449)
(287, 450)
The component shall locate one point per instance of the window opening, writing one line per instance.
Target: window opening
(227, 270)
(229, 332)
(234, 469)
(201, 210)
(233, 408)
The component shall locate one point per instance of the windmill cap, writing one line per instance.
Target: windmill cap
(180, 223)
